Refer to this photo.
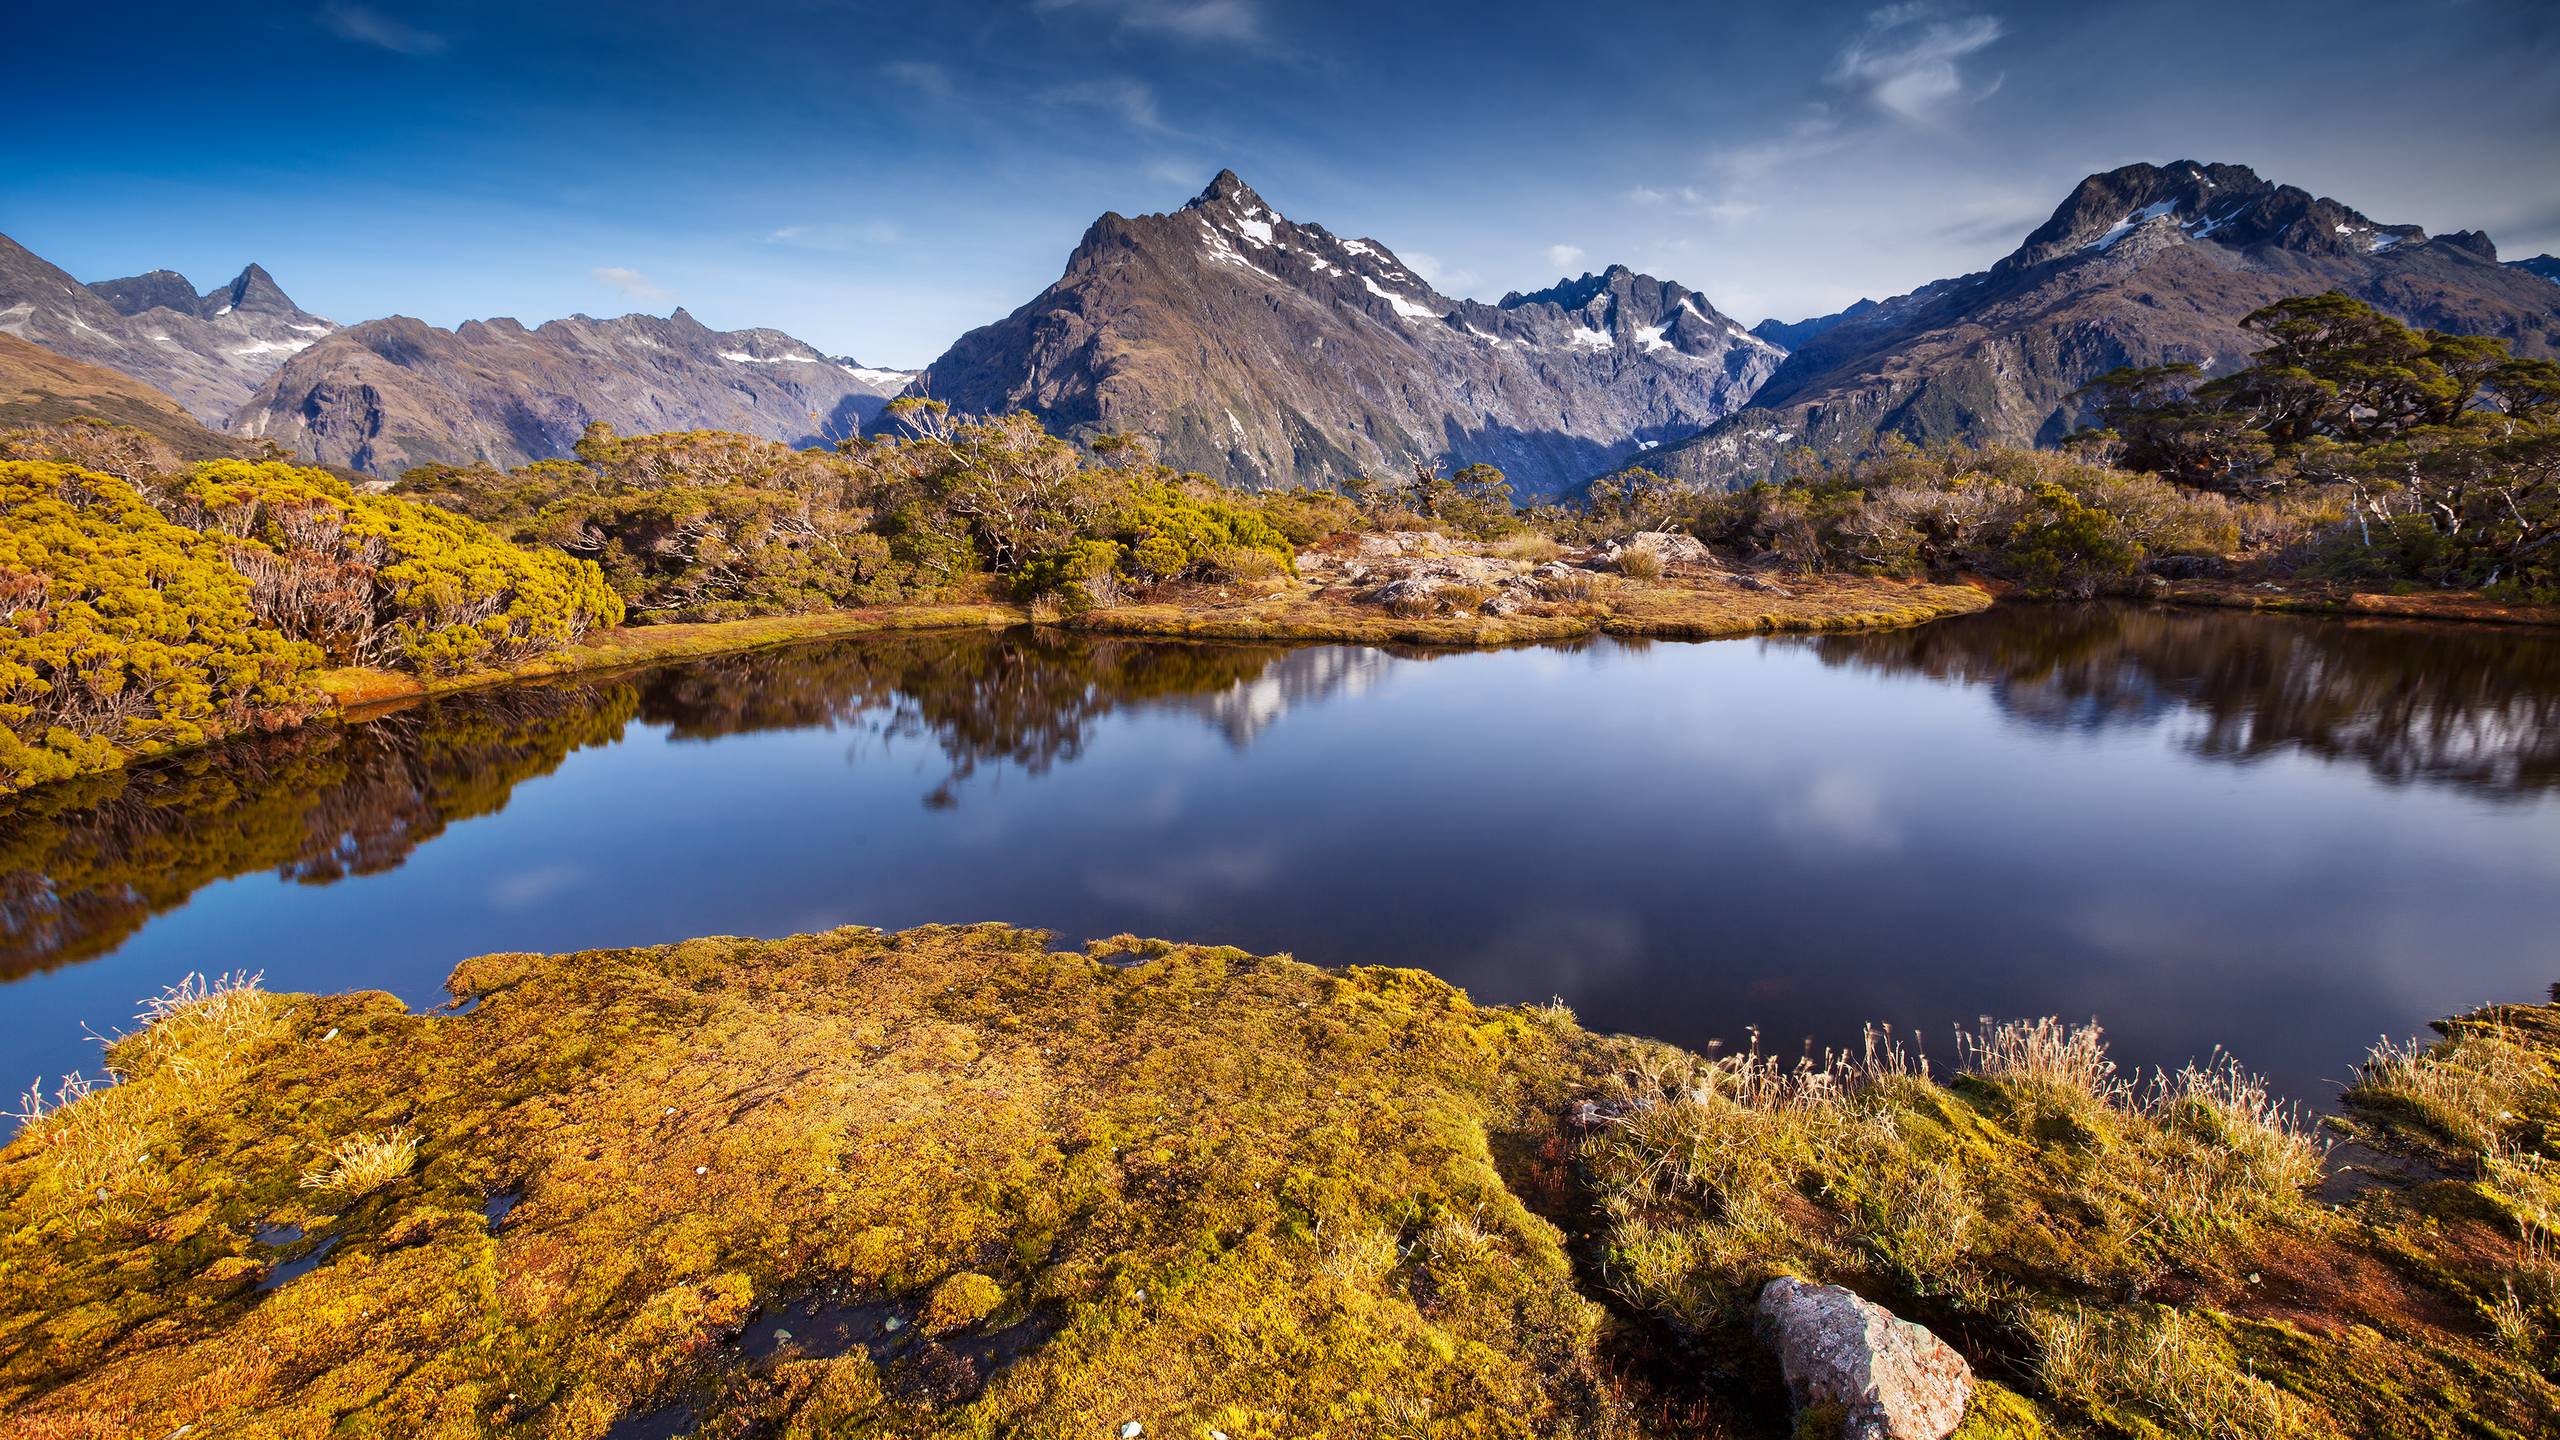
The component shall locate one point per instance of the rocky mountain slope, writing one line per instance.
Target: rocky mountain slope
(1264, 350)
(1791, 334)
(209, 351)
(2546, 266)
(389, 394)
(39, 387)
(2143, 265)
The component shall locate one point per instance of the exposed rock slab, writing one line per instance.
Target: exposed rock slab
(1882, 1376)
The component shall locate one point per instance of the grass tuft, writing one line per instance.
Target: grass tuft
(362, 1164)
(2469, 1090)
(2155, 1367)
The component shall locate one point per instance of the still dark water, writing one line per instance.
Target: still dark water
(2281, 836)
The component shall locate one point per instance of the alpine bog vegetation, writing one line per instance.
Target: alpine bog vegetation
(950, 1181)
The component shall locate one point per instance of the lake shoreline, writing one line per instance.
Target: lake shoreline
(1705, 610)
(1827, 604)
(596, 1191)
(2307, 598)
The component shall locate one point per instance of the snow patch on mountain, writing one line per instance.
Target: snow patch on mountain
(1403, 306)
(2129, 224)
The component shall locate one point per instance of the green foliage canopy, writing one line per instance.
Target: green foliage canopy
(126, 634)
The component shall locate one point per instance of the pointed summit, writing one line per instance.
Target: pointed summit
(1227, 189)
(1268, 350)
(253, 290)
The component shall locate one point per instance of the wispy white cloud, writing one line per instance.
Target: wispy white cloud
(365, 25)
(1691, 200)
(923, 76)
(1564, 257)
(1909, 61)
(1130, 99)
(837, 235)
(631, 282)
(1810, 136)
(1239, 21)
(1230, 22)
(1998, 215)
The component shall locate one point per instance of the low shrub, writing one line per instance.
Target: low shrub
(126, 634)
(376, 580)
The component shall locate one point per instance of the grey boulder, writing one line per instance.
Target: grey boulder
(1884, 1377)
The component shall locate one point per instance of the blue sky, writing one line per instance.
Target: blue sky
(877, 178)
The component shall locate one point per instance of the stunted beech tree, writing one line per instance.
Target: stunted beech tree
(2448, 445)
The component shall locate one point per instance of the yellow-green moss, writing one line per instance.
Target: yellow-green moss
(1243, 1193)
(992, 1188)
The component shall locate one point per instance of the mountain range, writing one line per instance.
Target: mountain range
(2143, 265)
(1264, 350)
(208, 351)
(388, 394)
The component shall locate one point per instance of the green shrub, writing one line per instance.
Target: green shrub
(126, 635)
(1170, 532)
(1305, 516)
(378, 580)
(712, 553)
(2063, 546)
(1079, 577)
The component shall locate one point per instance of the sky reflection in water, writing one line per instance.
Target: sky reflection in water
(2280, 836)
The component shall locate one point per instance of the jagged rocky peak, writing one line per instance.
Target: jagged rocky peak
(1228, 191)
(154, 290)
(1572, 294)
(1620, 306)
(1237, 229)
(2146, 206)
(1264, 349)
(251, 292)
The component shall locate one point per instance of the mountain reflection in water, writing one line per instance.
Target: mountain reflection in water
(2474, 707)
(2283, 835)
(83, 865)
